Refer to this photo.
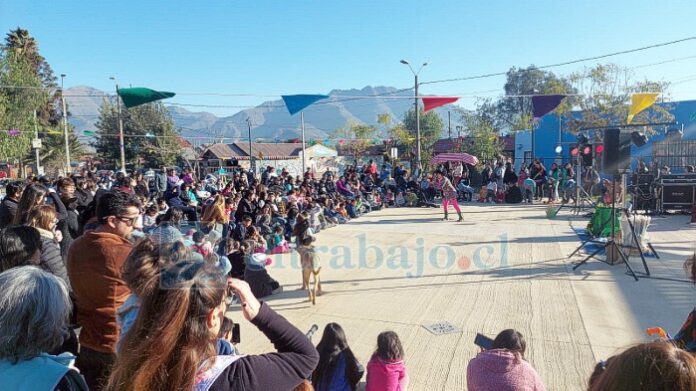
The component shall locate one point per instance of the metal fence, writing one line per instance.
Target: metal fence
(675, 154)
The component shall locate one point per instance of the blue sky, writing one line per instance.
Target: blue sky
(309, 46)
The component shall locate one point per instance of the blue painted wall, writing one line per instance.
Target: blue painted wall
(547, 137)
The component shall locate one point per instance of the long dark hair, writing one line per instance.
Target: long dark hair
(511, 340)
(389, 347)
(170, 339)
(333, 344)
(32, 196)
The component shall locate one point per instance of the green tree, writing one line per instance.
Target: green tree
(515, 112)
(360, 138)
(149, 134)
(22, 65)
(431, 127)
(605, 97)
(19, 105)
(482, 139)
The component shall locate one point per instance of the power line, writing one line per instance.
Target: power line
(487, 75)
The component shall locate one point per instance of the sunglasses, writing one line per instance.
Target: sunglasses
(130, 221)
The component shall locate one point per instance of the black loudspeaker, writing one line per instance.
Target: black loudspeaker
(617, 151)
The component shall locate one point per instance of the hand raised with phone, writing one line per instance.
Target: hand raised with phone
(250, 304)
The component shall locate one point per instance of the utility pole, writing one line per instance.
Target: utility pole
(120, 129)
(35, 144)
(419, 164)
(449, 124)
(65, 127)
(251, 152)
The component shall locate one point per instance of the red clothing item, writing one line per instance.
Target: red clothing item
(95, 260)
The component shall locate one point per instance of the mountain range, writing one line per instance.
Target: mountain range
(269, 120)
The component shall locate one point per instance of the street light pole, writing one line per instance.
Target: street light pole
(65, 126)
(251, 154)
(120, 129)
(419, 164)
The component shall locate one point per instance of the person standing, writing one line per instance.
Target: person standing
(449, 193)
(95, 261)
(161, 181)
(8, 207)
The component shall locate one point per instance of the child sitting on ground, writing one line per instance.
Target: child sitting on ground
(256, 275)
(389, 199)
(201, 245)
(400, 201)
(529, 189)
(341, 209)
(150, 218)
(256, 243)
(314, 212)
(491, 191)
(236, 252)
(225, 345)
(411, 198)
(278, 244)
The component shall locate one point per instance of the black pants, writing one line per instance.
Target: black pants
(190, 213)
(95, 367)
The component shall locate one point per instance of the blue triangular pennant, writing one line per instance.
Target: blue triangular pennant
(296, 103)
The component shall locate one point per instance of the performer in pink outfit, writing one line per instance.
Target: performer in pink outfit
(449, 193)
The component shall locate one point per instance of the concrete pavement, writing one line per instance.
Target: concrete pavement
(505, 266)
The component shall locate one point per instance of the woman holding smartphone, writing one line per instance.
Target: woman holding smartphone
(172, 345)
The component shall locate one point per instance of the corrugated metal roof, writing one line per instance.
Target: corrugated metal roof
(272, 151)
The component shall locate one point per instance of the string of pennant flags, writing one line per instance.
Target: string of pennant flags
(541, 104)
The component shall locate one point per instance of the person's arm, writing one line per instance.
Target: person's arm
(52, 262)
(294, 360)
(61, 211)
(404, 380)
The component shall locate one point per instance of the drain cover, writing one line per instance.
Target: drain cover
(441, 328)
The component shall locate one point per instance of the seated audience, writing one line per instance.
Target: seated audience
(386, 370)
(503, 368)
(338, 368)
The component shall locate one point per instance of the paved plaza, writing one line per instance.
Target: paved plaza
(504, 266)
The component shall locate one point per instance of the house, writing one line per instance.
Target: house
(279, 155)
(448, 145)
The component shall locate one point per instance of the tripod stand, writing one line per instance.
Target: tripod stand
(581, 197)
(611, 244)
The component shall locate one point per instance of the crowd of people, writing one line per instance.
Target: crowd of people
(497, 181)
(121, 282)
(144, 269)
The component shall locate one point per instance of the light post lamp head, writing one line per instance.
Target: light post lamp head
(404, 62)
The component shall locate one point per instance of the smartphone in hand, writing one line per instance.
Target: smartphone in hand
(236, 337)
(484, 342)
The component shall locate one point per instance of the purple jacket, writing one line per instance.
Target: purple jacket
(502, 370)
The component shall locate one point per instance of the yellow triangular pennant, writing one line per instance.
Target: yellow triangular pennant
(640, 102)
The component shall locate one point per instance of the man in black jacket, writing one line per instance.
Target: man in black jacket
(245, 207)
(8, 207)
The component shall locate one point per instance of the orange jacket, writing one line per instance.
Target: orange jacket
(94, 265)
